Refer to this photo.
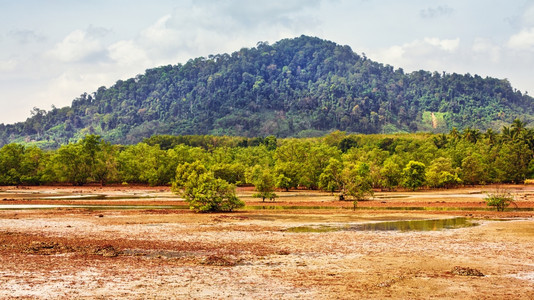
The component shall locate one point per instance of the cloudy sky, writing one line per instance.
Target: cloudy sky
(52, 51)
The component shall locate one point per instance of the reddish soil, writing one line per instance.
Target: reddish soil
(177, 254)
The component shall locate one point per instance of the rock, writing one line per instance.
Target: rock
(106, 251)
(216, 260)
(464, 271)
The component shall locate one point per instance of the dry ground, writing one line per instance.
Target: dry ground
(176, 254)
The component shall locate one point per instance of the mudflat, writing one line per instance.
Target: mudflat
(142, 242)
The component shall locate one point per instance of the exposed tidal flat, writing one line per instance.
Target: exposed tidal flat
(142, 242)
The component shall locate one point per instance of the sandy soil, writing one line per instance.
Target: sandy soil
(176, 254)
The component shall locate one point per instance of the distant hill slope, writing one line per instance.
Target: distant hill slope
(295, 87)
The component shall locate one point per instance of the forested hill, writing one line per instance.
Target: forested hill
(296, 87)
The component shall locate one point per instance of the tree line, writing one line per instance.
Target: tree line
(301, 87)
(338, 162)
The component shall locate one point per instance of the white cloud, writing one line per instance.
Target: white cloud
(454, 37)
(524, 40)
(447, 45)
(428, 52)
(127, 53)
(159, 33)
(205, 27)
(25, 36)
(435, 12)
(528, 16)
(8, 65)
(76, 46)
(485, 49)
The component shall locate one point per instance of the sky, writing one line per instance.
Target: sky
(55, 50)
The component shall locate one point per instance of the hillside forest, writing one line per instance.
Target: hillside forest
(300, 87)
(337, 162)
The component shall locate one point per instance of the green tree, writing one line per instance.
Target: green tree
(187, 172)
(413, 174)
(283, 182)
(232, 172)
(357, 183)
(142, 163)
(90, 159)
(501, 199)
(287, 174)
(105, 164)
(264, 182)
(316, 160)
(331, 179)
(71, 164)
(33, 165)
(474, 169)
(440, 173)
(391, 172)
(203, 191)
(11, 157)
(512, 161)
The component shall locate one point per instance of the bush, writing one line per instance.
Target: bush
(501, 199)
(203, 191)
(208, 194)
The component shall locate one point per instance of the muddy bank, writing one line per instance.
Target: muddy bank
(251, 254)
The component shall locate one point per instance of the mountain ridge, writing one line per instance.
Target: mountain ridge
(303, 86)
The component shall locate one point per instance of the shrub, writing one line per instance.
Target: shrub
(203, 191)
(501, 199)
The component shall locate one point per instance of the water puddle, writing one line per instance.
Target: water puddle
(416, 225)
(317, 228)
(422, 208)
(437, 208)
(407, 225)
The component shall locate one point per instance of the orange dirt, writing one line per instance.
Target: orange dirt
(178, 254)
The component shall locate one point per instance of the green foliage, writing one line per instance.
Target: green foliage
(331, 179)
(301, 87)
(474, 169)
(210, 194)
(185, 173)
(512, 161)
(232, 172)
(21, 165)
(356, 182)
(391, 172)
(413, 174)
(387, 161)
(90, 159)
(264, 182)
(501, 199)
(283, 182)
(142, 163)
(440, 173)
(203, 191)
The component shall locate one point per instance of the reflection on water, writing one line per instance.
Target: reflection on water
(319, 228)
(416, 225)
(410, 225)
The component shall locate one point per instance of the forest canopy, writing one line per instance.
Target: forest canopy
(337, 162)
(300, 87)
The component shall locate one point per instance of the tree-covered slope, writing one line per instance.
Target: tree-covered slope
(295, 87)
